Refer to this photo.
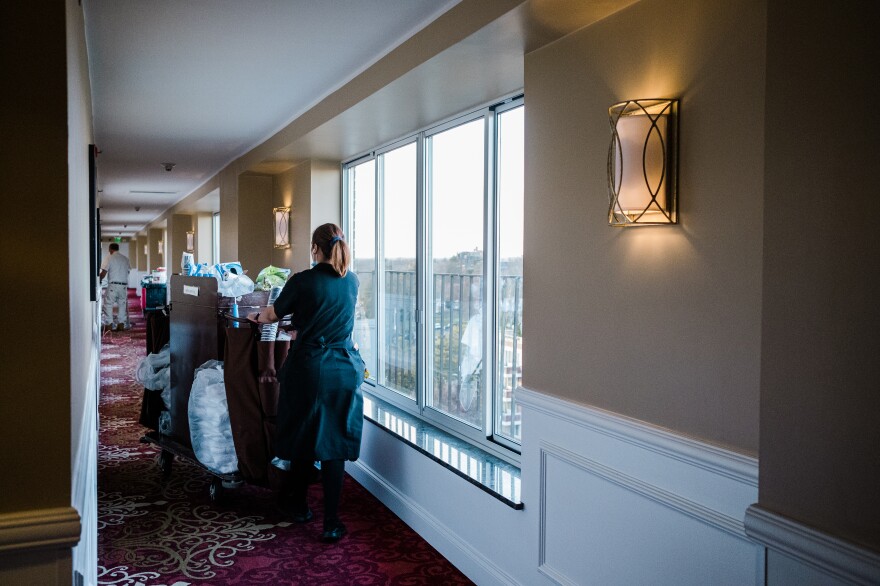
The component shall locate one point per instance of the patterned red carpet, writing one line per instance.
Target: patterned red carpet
(154, 532)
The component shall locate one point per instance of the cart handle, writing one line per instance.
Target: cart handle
(284, 323)
(230, 317)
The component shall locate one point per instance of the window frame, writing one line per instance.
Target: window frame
(498, 110)
(486, 438)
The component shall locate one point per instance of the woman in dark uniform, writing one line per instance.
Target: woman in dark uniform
(320, 407)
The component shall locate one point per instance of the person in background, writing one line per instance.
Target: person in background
(320, 405)
(116, 267)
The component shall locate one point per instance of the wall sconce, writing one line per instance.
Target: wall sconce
(159, 246)
(281, 217)
(146, 249)
(642, 161)
(190, 241)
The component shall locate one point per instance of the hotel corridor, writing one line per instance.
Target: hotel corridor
(153, 532)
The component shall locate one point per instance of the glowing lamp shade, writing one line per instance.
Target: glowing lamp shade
(281, 218)
(190, 241)
(642, 182)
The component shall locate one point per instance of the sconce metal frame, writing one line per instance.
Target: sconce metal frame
(659, 193)
(190, 241)
(281, 219)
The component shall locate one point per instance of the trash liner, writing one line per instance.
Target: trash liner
(153, 370)
(153, 404)
(209, 427)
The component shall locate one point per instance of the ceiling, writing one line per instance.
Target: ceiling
(198, 84)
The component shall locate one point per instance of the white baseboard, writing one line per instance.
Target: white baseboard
(459, 552)
(816, 549)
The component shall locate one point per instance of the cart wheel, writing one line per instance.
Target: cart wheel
(166, 459)
(215, 491)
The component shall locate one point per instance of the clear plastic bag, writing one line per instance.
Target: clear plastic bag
(235, 286)
(209, 426)
(153, 371)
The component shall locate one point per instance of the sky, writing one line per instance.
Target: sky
(455, 184)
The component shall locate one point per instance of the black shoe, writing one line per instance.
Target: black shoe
(333, 533)
(302, 517)
(297, 514)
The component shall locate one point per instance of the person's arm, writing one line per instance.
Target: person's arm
(265, 316)
(105, 262)
(284, 302)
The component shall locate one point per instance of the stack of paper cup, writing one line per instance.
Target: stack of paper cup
(269, 331)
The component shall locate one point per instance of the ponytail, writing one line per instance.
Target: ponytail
(330, 239)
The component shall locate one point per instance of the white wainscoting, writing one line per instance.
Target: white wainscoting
(622, 502)
(805, 556)
(607, 500)
(84, 492)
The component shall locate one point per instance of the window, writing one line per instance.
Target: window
(215, 236)
(398, 196)
(436, 224)
(456, 232)
(510, 125)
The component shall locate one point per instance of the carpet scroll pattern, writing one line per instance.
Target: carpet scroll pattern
(167, 532)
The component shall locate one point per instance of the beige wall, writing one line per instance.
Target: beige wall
(178, 226)
(48, 454)
(286, 194)
(133, 252)
(326, 193)
(227, 183)
(301, 220)
(658, 323)
(255, 236)
(139, 252)
(204, 238)
(313, 190)
(821, 347)
(36, 445)
(155, 255)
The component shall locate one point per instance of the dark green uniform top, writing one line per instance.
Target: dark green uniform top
(320, 407)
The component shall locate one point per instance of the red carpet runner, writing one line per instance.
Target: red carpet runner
(167, 533)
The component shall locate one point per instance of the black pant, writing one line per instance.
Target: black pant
(332, 472)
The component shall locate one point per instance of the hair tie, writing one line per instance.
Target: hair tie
(334, 240)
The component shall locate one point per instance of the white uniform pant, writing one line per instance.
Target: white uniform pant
(116, 294)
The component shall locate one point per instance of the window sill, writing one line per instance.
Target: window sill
(485, 471)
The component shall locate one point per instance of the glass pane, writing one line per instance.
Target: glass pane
(362, 199)
(397, 182)
(510, 275)
(456, 189)
(215, 237)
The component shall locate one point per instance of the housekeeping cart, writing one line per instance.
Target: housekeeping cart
(202, 328)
